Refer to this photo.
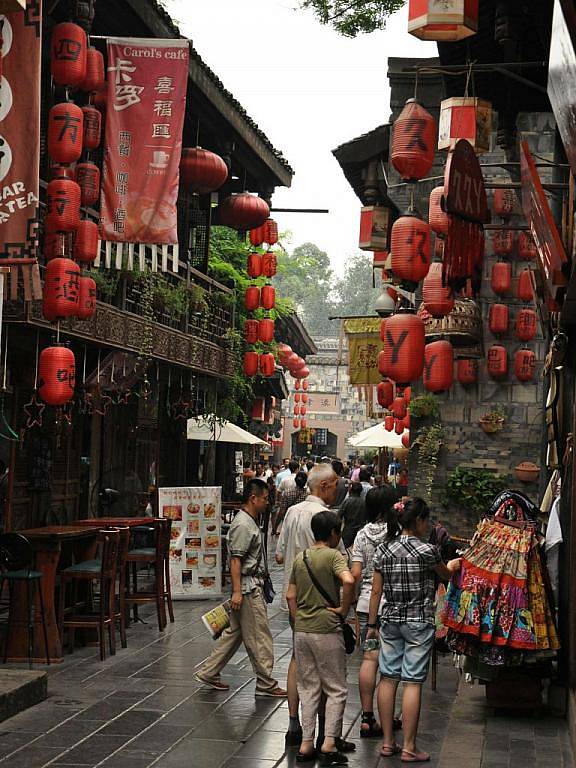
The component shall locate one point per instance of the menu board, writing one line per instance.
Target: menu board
(195, 545)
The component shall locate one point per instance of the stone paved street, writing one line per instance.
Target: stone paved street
(142, 708)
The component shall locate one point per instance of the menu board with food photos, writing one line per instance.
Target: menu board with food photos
(195, 545)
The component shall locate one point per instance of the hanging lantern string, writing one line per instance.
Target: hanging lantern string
(98, 369)
(58, 332)
(198, 133)
(468, 78)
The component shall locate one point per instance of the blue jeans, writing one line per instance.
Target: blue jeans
(405, 650)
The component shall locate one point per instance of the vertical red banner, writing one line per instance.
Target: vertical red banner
(147, 82)
(20, 131)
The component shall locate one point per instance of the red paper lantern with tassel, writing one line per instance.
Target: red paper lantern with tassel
(398, 407)
(467, 371)
(297, 397)
(267, 364)
(86, 241)
(258, 235)
(297, 384)
(243, 211)
(68, 54)
(61, 292)
(501, 278)
(302, 410)
(498, 319)
(296, 423)
(438, 298)
(65, 132)
(92, 127)
(437, 219)
(252, 298)
(438, 366)
(88, 179)
(389, 423)
(399, 426)
(503, 242)
(524, 289)
(254, 265)
(202, 171)
(410, 247)
(269, 264)
(56, 375)
(296, 410)
(302, 373)
(95, 78)
(524, 365)
(251, 331)
(504, 202)
(402, 358)
(87, 301)
(526, 324)
(527, 250)
(266, 330)
(63, 205)
(385, 393)
(271, 232)
(304, 397)
(268, 296)
(284, 351)
(413, 142)
(303, 424)
(305, 384)
(251, 363)
(497, 362)
(406, 439)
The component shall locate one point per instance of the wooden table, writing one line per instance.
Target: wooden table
(110, 522)
(47, 544)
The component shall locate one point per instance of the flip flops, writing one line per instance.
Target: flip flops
(414, 757)
(389, 750)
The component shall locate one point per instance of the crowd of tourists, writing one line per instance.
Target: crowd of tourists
(347, 541)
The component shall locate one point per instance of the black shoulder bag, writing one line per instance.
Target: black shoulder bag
(268, 591)
(347, 631)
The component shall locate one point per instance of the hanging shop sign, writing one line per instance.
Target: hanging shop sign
(551, 254)
(323, 402)
(147, 82)
(562, 76)
(374, 228)
(364, 345)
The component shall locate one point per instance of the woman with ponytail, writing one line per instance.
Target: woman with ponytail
(403, 590)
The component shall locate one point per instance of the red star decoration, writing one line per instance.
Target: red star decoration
(34, 412)
(98, 402)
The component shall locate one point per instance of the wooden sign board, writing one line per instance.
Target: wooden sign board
(375, 223)
(562, 76)
(465, 193)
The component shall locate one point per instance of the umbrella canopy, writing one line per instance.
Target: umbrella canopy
(222, 432)
(376, 437)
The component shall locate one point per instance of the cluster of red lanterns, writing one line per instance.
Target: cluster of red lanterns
(396, 400)
(300, 386)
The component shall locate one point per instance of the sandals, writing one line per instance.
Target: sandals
(414, 757)
(306, 757)
(389, 750)
(332, 758)
(374, 729)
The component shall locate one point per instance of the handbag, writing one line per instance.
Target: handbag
(347, 631)
(268, 591)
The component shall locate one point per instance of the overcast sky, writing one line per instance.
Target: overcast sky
(309, 90)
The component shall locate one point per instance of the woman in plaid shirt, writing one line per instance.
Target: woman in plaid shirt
(404, 568)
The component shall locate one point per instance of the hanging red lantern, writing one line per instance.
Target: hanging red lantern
(92, 127)
(399, 426)
(385, 393)
(296, 423)
(254, 265)
(297, 397)
(410, 246)
(65, 132)
(504, 203)
(68, 54)
(498, 319)
(266, 330)
(467, 371)
(501, 278)
(527, 250)
(407, 394)
(292, 362)
(406, 439)
(243, 211)
(63, 205)
(398, 407)
(87, 300)
(524, 365)
(271, 232)
(302, 373)
(258, 235)
(56, 375)
(497, 362)
(503, 242)
(95, 78)
(296, 410)
(413, 142)
(202, 171)
(402, 358)
(297, 384)
(88, 179)
(446, 21)
(406, 421)
(526, 324)
(268, 296)
(438, 298)
(465, 117)
(437, 219)
(86, 241)
(305, 384)
(389, 423)
(251, 363)
(61, 292)
(303, 424)
(438, 366)
(54, 245)
(267, 364)
(284, 351)
(269, 264)
(251, 331)
(304, 398)
(252, 298)
(302, 410)
(524, 290)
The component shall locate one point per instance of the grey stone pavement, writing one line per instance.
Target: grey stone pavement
(142, 708)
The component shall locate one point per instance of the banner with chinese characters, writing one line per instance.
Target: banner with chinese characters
(21, 39)
(195, 544)
(364, 344)
(147, 82)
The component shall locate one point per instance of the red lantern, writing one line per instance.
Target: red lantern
(402, 358)
(437, 219)
(54, 245)
(499, 318)
(407, 394)
(61, 292)
(303, 424)
(88, 179)
(527, 250)
(467, 118)
(68, 54)
(296, 423)
(297, 397)
(385, 393)
(87, 301)
(63, 204)
(524, 365)
(504, 203)
(305, 384)
(284, 351)
(292, 363)
(406, 439)
(95, 78)
(258, 235)
(413, 142)
(252, 298)
(398, 407)
(302, 410)
(302, 373)
(267, 364)
(297, 384)
(526, 324)
(446, 21)
(251, 363)
(100, 99)
(467, 372)
(410, 246)
(269, 264)
(86, 241)
(501, 279)
(202, 171)
(268, 296)
(296, 410)
(438, 366)
(389, 423)
(243, 211)
(92, 122)
(254, 265)
(406, 421)
(304, 398)
(503, 242)
(251, 331)
(399, 426)
(438, 298)
(266, 330)
(497, 362)
(65, 132)
(56, 375)
(271, 232)
(524, 290)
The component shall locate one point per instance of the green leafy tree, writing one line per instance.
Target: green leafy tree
(353, 17)
(354, 294)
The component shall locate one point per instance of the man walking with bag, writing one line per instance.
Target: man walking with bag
(248, 617)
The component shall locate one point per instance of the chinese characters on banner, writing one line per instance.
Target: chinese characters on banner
(147, 82)
(364, 344)
(20, 144)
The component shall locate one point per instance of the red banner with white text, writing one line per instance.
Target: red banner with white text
(147, 82)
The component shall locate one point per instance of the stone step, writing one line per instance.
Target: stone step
(20, 689)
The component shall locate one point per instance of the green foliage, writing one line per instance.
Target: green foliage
(473, 489)
(497, 414)
(425, 406)
(352, 17)
(353, 293)
(106, 282)
(429, 441)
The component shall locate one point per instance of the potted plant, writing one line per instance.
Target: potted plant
(493, 420)
(527, 472)
(424, 406)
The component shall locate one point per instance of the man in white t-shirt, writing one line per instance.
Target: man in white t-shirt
(288, 482)
(284, 472)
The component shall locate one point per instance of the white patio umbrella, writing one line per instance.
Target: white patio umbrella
(376, 437)
(201, 428)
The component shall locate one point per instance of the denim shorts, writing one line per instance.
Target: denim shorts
(363, 625)
(405, 650)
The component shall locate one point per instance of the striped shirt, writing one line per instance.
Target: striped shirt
(407, 567)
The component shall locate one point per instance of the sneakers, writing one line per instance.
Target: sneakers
(274, 693)
(215, 683)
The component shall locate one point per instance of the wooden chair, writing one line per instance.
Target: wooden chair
(120, 613)
(157, 556)
(102, 570)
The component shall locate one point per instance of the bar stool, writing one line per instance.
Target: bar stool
(16, 558)
(159, 557)
(120, 613)
(102, 570)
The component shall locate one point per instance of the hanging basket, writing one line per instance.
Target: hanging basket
(527, 472)
(490, 426)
